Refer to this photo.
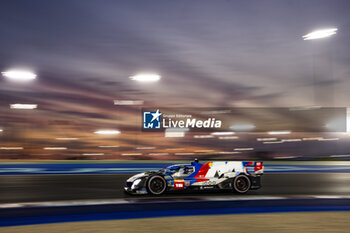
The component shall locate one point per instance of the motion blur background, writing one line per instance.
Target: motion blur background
(75, 76)
(220, 54)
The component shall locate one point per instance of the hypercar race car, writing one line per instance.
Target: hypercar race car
(230, 175)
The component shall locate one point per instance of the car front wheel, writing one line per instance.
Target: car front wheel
(156, 185)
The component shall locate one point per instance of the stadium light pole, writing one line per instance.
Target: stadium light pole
(145, 78)
(317, 35)
(20, 76)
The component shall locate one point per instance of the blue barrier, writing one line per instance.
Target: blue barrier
(41, 215)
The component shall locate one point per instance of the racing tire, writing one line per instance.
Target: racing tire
(156, 185)
(241, 183)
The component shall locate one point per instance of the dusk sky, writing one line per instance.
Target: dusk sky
(209, 54)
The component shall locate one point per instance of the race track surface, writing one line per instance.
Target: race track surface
(38, 188)
(315, 222)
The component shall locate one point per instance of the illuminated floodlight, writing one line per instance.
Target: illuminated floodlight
(203, 151)
(328, 139)
(93, 154)
(131, 154)
(266, 139)
(19, 75)
(244, 149)
(273, 142)
(320, 34)
(216, 112)
(184, 153)
(242, 127)
(337, 125)
(23, 106)
(145, 148)
(107, 132)
(175, 132)
(226, 152)
(228, 137)
(292, 140)
(339, 156)
(128, 102)
(285, 157)
(312, 139)
(304, 108)
(55, 148)
(203, 136)
(113, 146)
(1, 130)
(11, 148)
(145, 78)
(222, 133)
(158, 154)
(175, 148)
(67, 139)
(279, 132)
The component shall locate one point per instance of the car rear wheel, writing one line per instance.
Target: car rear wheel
(241, 184)
(156, 185)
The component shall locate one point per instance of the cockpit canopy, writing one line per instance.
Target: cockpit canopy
(180, 170)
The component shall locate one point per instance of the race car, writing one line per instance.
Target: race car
(213, 175)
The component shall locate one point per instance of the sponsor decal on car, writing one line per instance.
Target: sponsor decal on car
(179, 184)
(209, 183)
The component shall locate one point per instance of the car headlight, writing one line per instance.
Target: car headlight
(135, 183)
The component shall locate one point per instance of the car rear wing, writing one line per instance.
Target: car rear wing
(258, 167)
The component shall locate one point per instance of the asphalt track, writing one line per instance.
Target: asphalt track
(39, 188)
(51, 168)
